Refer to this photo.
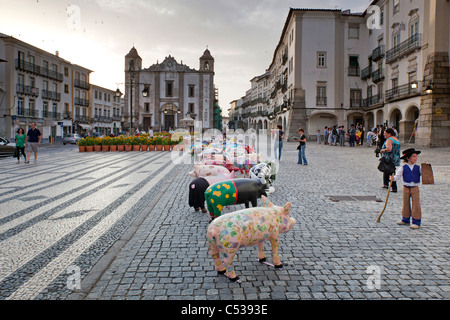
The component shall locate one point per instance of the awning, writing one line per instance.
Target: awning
(85, 126)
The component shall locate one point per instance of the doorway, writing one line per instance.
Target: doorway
(169, 122)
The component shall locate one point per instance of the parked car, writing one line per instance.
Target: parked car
(7, 148)
(72, 138)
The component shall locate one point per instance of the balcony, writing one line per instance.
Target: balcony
(52, 74)
(321, 101)
(81, 102)
(404, 91)
(81, 118)
(37, 70)
(31, 113)
(404, 48)
(356, 103)
(22, 65)
(67, 115)
(27, 90)
(373, 100)
(378, 53)
(366, 73)
(81, 84)
(378, 75)
(46, 94)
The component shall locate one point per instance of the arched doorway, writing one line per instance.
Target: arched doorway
(319, 121)
(169, 117)
(408, 126)
(395, 118)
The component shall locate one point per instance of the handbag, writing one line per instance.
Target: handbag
(386, 165)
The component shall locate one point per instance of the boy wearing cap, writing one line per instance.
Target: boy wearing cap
(411, 173)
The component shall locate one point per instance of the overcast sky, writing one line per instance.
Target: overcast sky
(240, 34)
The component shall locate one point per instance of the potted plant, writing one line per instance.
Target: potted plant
(89, 144)
(106, 143)
(113, 144)
(166, 141)
(158, 143)
(128, 140)
(136, 143)
(151, 144)
(82, 145)
(97, 144)
(120, 142)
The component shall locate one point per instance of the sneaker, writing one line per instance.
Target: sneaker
(402, 223)
(415, 226)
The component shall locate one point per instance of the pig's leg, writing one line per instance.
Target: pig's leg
(261, 255)
(228, 260)
(247, 204)
(215, 253)
(275, 257)
(254, 202)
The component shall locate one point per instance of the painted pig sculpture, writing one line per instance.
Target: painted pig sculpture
(198, 186)
(230, 192)
(210, 170)
(247, 227)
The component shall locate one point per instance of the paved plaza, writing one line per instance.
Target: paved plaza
(117, 226)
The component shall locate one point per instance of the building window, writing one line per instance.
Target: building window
(66, 71)
(355, 98)
(191, 108)
(396, 4)
(191, 93)
(147, 107)
(353, 32)
(353, 66)
(321, 99)
(321, 59)
(382, 16)
(66, 88)
(169, 89)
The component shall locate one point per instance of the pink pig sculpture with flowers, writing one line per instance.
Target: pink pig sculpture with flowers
(244, 228)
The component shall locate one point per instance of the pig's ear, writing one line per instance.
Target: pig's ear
(287, 207)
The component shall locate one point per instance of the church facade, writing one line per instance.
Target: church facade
(168, 95)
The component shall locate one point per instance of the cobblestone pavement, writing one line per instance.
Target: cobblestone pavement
(122, 220)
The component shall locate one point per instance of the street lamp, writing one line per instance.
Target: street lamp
(145, 94)
(429, 89)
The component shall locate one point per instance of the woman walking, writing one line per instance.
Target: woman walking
(20, 144)
(390, 149)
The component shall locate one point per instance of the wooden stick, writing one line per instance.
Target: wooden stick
(385, 203)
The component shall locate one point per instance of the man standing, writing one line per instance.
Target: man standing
(352, 133)
(33, 142)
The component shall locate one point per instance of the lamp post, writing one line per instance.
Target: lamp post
(145, 93)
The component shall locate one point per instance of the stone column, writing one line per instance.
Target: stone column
(434, 118)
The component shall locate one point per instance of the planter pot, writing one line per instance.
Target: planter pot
(128, 147)
(136, 147)
(105, 148)
(113, 148)
(144, 147)
(151, 147)
(97, 148)
(89, 148)
(166, 147)
(120, 147)
(159, 147)
(82, 148)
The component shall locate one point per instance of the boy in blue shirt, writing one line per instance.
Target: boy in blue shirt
(410, 173)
